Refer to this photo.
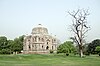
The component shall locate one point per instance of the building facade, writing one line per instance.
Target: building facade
(39, 41)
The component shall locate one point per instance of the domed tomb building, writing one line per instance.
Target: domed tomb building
(39, 41)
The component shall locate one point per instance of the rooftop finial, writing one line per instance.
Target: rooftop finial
(39, 24)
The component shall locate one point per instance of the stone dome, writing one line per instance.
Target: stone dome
(39, 29)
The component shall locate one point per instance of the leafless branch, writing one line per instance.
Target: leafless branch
(79, 26)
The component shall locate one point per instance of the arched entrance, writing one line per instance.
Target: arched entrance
(47, 48)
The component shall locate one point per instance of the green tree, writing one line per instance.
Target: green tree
(10, 44)
(3, 42)
(17, 44)
(66, 47)
(92, 46)
(21, 38)
(98, 50)
(4, 48)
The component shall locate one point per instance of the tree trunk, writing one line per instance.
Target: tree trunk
(16, 52)
(81, 51)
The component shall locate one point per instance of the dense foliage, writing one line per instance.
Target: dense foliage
(10, 46)
(98, 50)
(66, 47)
(92, 46)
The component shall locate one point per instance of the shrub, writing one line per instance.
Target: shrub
(51, 51)
(87, 53)
(67, 54)
(5, 51)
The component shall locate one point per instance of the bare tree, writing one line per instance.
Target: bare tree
(79, 27)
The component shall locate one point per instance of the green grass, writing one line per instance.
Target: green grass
(48, 60)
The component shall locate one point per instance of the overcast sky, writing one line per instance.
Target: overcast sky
(18, 17)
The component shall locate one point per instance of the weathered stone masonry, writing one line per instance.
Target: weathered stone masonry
(39, 41)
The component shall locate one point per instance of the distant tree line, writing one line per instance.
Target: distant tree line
(89, 48)
(16, 45)
(11, 46)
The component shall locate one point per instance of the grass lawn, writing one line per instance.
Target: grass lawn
(48, 60)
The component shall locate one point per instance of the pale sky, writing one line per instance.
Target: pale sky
(18, 17)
